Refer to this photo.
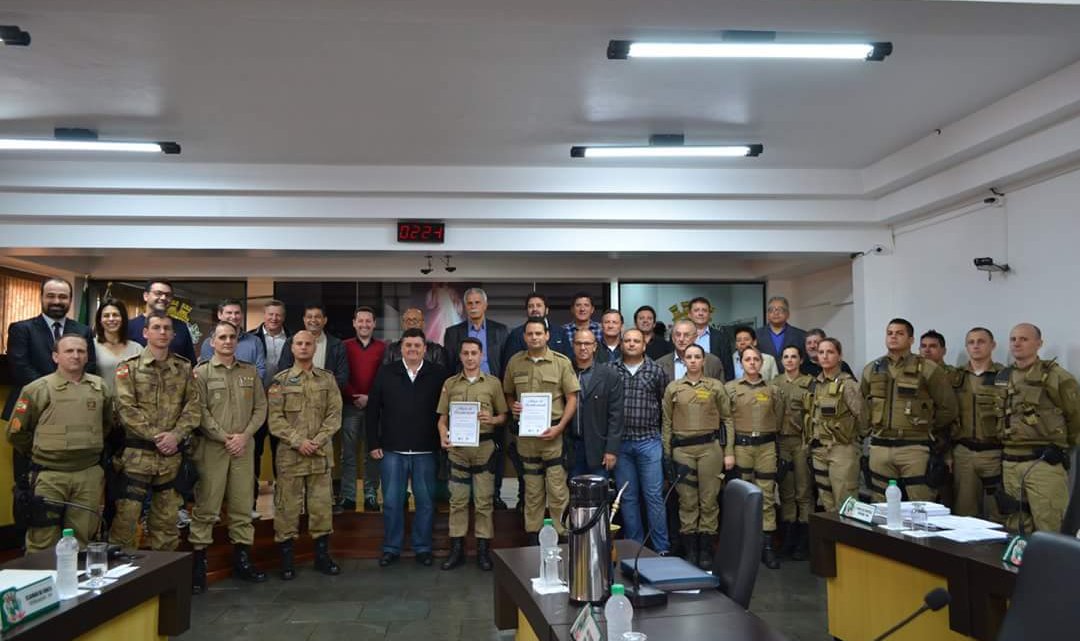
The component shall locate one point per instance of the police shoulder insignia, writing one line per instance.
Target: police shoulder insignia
(122, 370)
(275, 390)
(15, 425)
(22, 405)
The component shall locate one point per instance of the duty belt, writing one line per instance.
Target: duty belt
(754, 438)
(978, 446)
(1050, 454)
(896, 442)
(694, 440)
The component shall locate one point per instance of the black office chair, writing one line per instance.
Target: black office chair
(1071, 523)
(738, 553)
(1043, 603)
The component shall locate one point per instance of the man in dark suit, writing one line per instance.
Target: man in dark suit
(718, 341)
(491, 334)
(595, 433)
(776, 335)
(413, 318)
(29, 351)
(30, 341)
(535, 307)
(157, 295)
(329, 350)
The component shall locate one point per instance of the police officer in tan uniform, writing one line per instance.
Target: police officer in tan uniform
(793, 471)
(471, 467)
(757, 411)
(699, 441)
(158, 406)
(233, 409)
(60, 422)
(837, 425)
(538, 369)
(976, 453)
(1038, 421)
(305, 413)
(911, 408)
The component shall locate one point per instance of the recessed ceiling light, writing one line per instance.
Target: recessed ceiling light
(667, 146)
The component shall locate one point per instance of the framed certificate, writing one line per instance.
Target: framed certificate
(464, 424)
(535, 417)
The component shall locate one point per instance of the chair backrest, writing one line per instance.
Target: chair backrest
(1043, 602)
(738, 554)
(1071, 523)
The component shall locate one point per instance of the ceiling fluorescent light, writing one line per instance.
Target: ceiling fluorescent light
(12, 36)
(85, 140)
(662, 151)
(624, 49)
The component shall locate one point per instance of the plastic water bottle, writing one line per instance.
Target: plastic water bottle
(619, 613)
(549, 546)
(893, 517)
(67, 565)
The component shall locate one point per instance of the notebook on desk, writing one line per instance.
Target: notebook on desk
(670, 573)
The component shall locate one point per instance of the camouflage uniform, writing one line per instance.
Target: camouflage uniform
(152, 397)
(304, 405)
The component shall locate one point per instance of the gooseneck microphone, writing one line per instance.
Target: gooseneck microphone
(934, 600)
(648, 596)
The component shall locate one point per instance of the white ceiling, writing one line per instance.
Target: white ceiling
(495, 82)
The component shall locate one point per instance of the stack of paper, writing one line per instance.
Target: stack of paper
(932, 509)
(973, 535)
(950, 522)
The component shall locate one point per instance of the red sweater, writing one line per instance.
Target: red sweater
(363, 364)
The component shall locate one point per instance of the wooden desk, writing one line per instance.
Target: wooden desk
(876, 577)
(153, 602)
(548, 617)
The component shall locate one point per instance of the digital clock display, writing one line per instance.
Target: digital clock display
(421, 231)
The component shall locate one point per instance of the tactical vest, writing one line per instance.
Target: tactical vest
(72, 420)
(1029, 406)
(978, 419)
(795, 393)
(831, 420)
(900, 408)
(754, 408)
(694, 409)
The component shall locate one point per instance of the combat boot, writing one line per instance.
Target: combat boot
(690, 548)
(768, 556)
(288, 571)
(323, 562)
(802, 542)
(243, 568)
(483, 554)
(706, 550)
(457, 554)
(198, 572)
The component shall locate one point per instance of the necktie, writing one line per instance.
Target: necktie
(56, 330)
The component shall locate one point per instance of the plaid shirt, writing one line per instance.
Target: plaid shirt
(642, 395)
(570, 329)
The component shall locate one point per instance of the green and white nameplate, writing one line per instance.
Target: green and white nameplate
(854, 509)
(24, 594)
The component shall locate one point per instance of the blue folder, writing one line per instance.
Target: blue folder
(669, 573)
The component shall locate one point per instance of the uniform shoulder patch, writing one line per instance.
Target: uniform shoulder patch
(275, 390)
(22, 405)
(15, 425)
(123, 370)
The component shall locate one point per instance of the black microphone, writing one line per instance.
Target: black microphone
(648, 597)
(934, 600)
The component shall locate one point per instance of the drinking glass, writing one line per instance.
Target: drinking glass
(97, 564)
(919, 518)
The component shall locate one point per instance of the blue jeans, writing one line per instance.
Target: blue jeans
(396, 470)
(640, 465)
(578, 463)
(352, 433)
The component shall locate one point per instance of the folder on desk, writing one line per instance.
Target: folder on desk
(670, 573)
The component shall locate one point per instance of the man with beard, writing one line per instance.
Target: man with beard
(30, 350)
(157, 295)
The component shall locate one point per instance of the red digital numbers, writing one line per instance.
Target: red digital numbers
(421, 232)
